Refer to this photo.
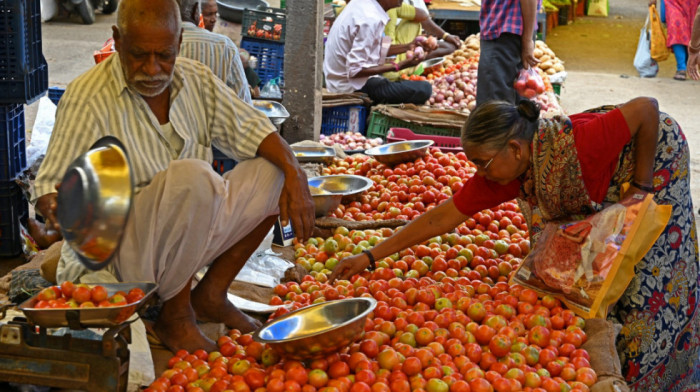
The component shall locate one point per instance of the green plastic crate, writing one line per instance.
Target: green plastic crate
(379, 125)
(556, 87)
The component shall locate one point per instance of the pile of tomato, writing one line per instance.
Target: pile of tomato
(446, 319)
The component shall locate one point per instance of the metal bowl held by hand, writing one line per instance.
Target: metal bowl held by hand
(324, 201)
(273, 110)
(398, 152)
(94, 200)
(347, 185)
(317, 330)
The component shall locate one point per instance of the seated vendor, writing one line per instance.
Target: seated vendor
(409, 21)
(169, 111)
(356, 55)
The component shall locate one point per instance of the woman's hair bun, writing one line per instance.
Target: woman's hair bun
(529, 110)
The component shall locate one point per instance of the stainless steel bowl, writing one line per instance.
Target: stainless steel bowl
(324, 201)
(88, 317)
(317, 330)
(428, 64)
(398, 152)
(314, 154)
(347, 185)
(94, 202)
(232, 10)
(273, 110)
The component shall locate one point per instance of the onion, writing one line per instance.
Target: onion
(459, 95)
(439, 97)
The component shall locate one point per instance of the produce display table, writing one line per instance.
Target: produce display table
(444, 10)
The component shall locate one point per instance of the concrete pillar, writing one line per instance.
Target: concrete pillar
(303, 70)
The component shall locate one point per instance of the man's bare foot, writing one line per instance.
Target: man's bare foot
(177, 329)
(210, 307)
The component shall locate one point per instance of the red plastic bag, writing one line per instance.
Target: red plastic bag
(105, 52)
(529, 84)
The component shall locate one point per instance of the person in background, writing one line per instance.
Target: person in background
(567, 166)
(409, 21)
(679, 16)
(250, 74)
(210, 10)
(169, 111)
(216, 51)
(356, 55)
(694, 48)
(507, 45)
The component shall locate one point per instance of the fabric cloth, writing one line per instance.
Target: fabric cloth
(354, 42)
(500, 16)
(383, 91)
(205, 214)
(598, 138)
(680, 15)
(680, 52)
(26, 283)
(217, 52)
(175, 140)
(204, 112)
(499, 65)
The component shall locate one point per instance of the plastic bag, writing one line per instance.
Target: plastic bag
(588, 264)
(646, 66)
(659, 51)
(598, 7)
(529, 84)
(271, 89)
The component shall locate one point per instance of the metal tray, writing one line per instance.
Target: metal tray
(314, 154)
(88, 317)
(273, 110)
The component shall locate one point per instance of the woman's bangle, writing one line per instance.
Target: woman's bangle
(445, 35)
(396, 65)
(645, 188)
(372, 265)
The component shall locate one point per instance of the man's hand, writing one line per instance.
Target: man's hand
(297, 204)
(693, 64)
(528, 53)
(454, 40)
(47, 207)
(348, 267)
(411, 62)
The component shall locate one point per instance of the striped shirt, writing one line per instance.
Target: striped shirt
(217, 52)
(203, 111)
(500, 16)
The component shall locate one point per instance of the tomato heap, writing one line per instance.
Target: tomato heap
(405, 190)
(69, 295)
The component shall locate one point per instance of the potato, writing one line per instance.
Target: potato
(544, 57)
(545, 65)
(558, 67)
(551, 71)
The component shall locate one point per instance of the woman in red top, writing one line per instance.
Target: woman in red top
(563, 166)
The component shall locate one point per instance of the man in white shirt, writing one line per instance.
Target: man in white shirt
(356, 54)
(216, 51)
(168, 111)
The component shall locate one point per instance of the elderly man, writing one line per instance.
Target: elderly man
(216, 51)
(356, 54)
(169, 111)
(209, 12)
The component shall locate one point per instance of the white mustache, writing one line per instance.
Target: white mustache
(157, 78)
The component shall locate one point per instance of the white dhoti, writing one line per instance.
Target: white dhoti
(189, 215)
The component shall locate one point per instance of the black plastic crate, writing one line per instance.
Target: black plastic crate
(269, 24)
(55, 94)
(23, 69)
(13, 155)
(14, 210)
(270, 57)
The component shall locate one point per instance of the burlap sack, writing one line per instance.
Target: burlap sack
(604, 358)
(48, 260)
(326, 225)
(424, 115)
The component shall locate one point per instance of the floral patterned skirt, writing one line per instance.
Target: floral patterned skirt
(659, 342)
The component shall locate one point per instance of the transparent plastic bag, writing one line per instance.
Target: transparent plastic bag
(271, 89)
(529, 84)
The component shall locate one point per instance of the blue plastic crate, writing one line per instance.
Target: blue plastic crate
(270, 55)
(55, 94)
(13, 155)
(344, 118)
(222, 163)
(23, 70)
(14, 210)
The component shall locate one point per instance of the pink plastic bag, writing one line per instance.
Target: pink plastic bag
(529, 84)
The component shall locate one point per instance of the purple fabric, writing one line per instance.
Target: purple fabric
(501, 16)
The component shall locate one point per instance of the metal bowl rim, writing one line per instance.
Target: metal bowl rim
(436, 60)
(369, 183)
(378, 153)
(372, 304)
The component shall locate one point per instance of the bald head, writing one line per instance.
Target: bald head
(159, 13)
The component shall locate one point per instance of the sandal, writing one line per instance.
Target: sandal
(680, 75)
